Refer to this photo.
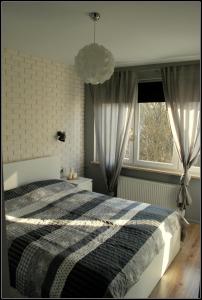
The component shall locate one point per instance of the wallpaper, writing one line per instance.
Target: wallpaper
(39, 98)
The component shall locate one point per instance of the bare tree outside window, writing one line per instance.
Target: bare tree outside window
(155, 136)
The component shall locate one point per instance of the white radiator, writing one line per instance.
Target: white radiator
(156, 193)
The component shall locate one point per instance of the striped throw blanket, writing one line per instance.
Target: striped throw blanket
(64, 242)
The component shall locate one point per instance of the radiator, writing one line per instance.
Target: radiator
(156, 193)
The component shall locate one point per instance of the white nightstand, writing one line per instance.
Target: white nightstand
(82, 182)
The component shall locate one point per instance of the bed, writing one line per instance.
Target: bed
(65, 242)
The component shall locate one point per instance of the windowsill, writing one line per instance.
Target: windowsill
(168, 172)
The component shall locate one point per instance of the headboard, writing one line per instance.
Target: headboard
(26, 171)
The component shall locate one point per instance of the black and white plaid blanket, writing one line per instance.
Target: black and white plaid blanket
(71, 243)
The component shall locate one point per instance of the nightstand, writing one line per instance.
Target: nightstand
(81, 182)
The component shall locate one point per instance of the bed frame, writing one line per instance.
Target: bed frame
(151, 276)
(22, 172)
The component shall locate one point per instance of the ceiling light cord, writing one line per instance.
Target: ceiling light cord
(94, 33)
(95, 16)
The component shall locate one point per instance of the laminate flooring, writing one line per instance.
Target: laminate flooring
(182, 278)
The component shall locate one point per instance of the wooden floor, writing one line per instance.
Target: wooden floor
(182, 278)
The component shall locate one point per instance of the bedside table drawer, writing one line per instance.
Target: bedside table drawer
(86, 186)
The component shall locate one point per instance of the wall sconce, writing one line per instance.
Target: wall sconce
(61, 136)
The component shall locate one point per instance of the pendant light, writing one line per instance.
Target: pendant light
(94, 63)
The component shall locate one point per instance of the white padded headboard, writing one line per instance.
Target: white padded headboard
(26, 171)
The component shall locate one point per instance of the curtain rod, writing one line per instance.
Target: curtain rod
(156, 66)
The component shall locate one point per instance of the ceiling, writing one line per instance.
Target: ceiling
(136, 32)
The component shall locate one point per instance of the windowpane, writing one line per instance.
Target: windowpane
(127, 153)
(197, 162)
(129, 146)
(155, 136)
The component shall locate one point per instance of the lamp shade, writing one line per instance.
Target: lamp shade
(94, 63)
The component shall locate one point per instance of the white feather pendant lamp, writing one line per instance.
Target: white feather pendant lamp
(94, 63)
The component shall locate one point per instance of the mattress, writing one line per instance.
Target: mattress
(64, 242)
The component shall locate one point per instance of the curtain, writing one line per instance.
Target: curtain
(114, 103)
(182, 95)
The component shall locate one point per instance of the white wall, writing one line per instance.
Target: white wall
(41, 97)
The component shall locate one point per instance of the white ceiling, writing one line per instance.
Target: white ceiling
(136, 32)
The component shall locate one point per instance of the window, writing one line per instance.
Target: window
(195, 169)
(155, 135)
(151, 143)
(197, 162)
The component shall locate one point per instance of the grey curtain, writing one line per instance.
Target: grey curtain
(114, 103)
(182, 94)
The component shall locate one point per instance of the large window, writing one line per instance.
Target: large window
(151, 143)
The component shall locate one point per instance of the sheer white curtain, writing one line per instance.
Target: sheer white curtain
(182, 94)
(114, 103)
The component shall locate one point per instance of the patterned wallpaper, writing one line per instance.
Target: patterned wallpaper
(41, 97)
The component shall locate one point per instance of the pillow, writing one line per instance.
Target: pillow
(27, 188)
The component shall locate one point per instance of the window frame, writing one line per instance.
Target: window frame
(133, 161)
